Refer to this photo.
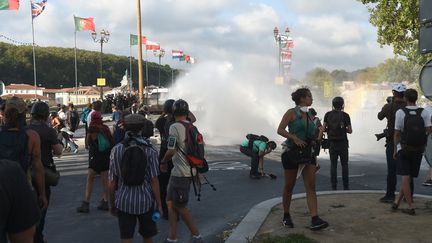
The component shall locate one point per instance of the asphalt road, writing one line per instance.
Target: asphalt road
(216, 212)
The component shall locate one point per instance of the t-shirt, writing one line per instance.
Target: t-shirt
(257, 145)
(176, 140)
(400, 119)
(48, 137)
(89, 117)
(18, 207)
(345, 119)
(116, 116)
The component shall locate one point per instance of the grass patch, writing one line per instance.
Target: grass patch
(291, 238)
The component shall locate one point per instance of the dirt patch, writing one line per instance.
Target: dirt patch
(354, 218)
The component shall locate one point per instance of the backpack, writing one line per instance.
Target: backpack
(253, 137)
(133, 166)
(84, 115)
(336, 129)
(194, 148)
(414, 132)
(104, 144)
(13, 146)
(74, 116)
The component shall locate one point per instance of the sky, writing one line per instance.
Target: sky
(333, 34)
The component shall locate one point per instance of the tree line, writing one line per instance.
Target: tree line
(56, 67)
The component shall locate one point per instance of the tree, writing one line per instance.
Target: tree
(397, 23)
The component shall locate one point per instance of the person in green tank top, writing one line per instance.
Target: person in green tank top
(301, 130)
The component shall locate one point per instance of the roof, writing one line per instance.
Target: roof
(87, 90)
(25, 96)
(22, 87)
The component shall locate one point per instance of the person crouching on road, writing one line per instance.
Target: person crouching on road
(100, 142)
(301, 128)
(256, 150)
(129, 202)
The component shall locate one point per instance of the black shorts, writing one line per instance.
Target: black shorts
(178, 191)
(408, 163)
(289, 164)
(127, 222)
(99, 162)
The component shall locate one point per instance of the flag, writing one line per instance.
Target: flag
(9, 4)
(176, 54)
(84, 24)
(134, 40)
(150, 45)
(192, 60)
(290, 44)
(187, 57)
(38, 8)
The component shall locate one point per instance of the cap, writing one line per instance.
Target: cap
(399, 87)
(16, 103)
(134, 119)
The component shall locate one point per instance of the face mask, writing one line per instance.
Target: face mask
(304, 109)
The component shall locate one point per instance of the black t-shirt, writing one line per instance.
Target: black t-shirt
(48, 137)
(18, 207)
(344, 121)
(389, 112)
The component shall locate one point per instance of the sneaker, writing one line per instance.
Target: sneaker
(103, 205)
(410, 211)
(75, 151)
(318, 224)
(84, 208)
(428, 182)
(255, 177)
(287, 222)
(387, 199)
(197, 239)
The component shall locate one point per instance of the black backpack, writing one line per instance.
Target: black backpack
(253, 137)
(414, 132)
(13, 146)
(133, 166)
(336, 128)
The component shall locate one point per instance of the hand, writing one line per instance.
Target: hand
(299, 142)
(395, 155)
(163, 167)
(43, 202)
(160, 210)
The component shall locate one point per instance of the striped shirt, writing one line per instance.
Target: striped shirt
(134, 199)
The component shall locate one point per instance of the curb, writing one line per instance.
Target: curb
(249, 226)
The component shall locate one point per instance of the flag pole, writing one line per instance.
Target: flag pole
(34, 55)
(76, 72)
(130, 64)
(140, 81)
(147, 79)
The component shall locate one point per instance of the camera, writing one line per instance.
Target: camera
(389, 99)
(384, 134)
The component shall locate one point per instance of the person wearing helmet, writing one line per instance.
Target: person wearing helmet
(181, 174)
(337, 124)
(388, 111)
(49, 146)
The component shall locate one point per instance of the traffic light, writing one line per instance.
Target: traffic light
(425, 41)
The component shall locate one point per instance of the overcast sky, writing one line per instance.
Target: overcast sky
(334, 34)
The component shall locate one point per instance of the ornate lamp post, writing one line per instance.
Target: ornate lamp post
(159, 53)
(103, 38)
(279, 38)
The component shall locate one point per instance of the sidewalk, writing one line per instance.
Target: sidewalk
(354, 216)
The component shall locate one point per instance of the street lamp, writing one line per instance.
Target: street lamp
(159, 53)
(104, 37)
(279, 38)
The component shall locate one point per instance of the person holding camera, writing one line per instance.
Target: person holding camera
(337, 124)
(300, 131)
(388, 111)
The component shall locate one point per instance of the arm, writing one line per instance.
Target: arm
(168, 156)
(348, 127)
(112, 188)
(383, 113)
(37, 167)
(397, 139)
(286, 119)
(156, 192)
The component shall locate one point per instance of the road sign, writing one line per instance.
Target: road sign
(327, 88)
(101, 82)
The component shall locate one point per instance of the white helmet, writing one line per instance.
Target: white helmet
(399, 87)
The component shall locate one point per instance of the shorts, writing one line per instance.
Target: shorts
(99, 163)
(408, 163)
(178, 191)
(127, 222)
(289, 164)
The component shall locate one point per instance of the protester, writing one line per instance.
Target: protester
(181, 175)
(148, 128)
(337, 124)
(300, 132)
(412, 124)
(388, 111)
(318, 135)
(19, 211)
(116, 114)
(100, 142)
(49, 145)
(118, 128)
(97, 106)
(84, 116)
(20, 144)
(256, 149)
(134, 202)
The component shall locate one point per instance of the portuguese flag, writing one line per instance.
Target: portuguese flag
(83, 23)
(134, 40)
(9, 4)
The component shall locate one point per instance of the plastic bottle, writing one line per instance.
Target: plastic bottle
(156, 216)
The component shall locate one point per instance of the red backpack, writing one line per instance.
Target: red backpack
(194, 148)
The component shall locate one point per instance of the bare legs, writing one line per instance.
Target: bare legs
(173, 214)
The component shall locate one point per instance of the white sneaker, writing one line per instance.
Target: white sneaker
(75, 151)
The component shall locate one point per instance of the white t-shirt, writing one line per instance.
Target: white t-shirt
(62, 115)
(176, 140)
(89, 117)
(400, 118)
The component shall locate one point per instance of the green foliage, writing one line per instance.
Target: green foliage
(398, 25)
(55, 67)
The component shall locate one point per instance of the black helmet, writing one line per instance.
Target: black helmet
(338, 102)
(180, 108)
(168, 105)
(271, 144)
(40, 110)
